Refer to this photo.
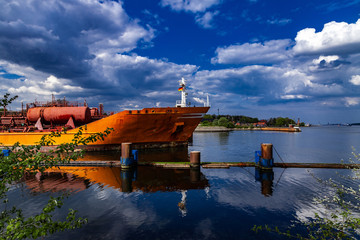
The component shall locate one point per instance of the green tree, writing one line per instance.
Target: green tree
(30, 160)
(4, 102)
(205, 123)
(223, 121)
(208, 117)
(230, 125)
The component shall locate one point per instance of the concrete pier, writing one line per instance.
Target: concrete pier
(182, 165)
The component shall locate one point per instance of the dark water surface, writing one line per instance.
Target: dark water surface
(153, 203)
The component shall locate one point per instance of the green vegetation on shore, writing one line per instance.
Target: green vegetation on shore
(240, 121)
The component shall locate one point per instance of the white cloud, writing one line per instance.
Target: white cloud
(190, 5)
(199, 100)
(355, 79)
(298, 96)
(56, 35)
(205, 20)
(335, 38)
(249, 53)
(141, 70)
(352, 101)
(44, 89)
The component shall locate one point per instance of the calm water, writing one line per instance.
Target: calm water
(153, 203)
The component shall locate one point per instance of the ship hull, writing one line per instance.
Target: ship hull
(152, 127)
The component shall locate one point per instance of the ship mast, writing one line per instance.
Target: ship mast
(184, 94)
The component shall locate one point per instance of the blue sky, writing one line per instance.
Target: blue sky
(299, 59)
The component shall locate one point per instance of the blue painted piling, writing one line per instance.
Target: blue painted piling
(135, 155)
(126, 159)
(267, 160)
(6, 152)
(264, 158)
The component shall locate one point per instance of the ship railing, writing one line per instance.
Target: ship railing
(58, 103)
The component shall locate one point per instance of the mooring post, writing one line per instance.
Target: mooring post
(126, 160)
(195, 159)
(135, 156)
(267, 160)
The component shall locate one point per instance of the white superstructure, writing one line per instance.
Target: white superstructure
(182, 88)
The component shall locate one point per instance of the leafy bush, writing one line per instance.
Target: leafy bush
(30, 160)
(205, 123)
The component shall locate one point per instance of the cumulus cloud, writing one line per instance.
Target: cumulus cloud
(263, 85)
(253, 53)
(282, 74)
(36, 85)
(62, 37)
(334, 39)
(190, 5)
(355, 79)
(122, 82)
(352, 101)
(82, 55)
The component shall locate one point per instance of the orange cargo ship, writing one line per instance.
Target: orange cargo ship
(148, 127)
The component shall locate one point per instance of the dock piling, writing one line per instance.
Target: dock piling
(126, 160)
(195, 159)
(267, 160)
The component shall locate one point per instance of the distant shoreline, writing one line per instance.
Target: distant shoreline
(224, 129)
(212, 129)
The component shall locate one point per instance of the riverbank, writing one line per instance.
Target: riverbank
(212, 129)
(224, 129)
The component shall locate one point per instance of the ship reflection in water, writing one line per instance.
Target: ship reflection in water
(145, 155)
(142, 178)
